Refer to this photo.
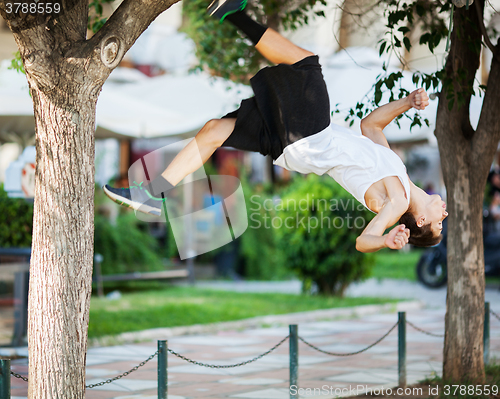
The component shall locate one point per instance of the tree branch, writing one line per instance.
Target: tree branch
(124, 27)
(488, 128)
(487, 40)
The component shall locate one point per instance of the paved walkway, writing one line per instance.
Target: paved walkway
(371, 287)
(267, 378)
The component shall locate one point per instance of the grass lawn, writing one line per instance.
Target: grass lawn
(182, 306)
(402, 266)
(396, 264)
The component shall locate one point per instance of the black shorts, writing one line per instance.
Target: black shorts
(290, 102)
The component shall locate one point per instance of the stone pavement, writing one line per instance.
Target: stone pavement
(267, 378)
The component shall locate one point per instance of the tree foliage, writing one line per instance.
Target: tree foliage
(224, 51)
(16, 221)
(96, 14)
(320, 224)
(432, 19)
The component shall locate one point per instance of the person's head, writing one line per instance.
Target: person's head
(425, 222)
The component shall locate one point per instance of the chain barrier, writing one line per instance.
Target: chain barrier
(19, 376)
(108, 381)
(213, 366)
(352, 353)
(124, 374)
(494, 314)
(425, 332)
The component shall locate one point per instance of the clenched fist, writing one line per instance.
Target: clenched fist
(398, 237)
(418, 99)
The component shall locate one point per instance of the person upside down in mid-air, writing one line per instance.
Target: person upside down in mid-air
(289, 119)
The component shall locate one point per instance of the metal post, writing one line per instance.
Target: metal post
(98, 258)
(162, 369)
(294, 361)
(486, 333)
(5, 378)
(189, 227)
(21, 282)
(402, 349)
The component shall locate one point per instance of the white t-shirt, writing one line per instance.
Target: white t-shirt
(352, 159)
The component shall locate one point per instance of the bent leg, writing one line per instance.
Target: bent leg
(199, 150)
(280, 50)
(267, 41)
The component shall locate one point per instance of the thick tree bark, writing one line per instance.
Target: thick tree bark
(466, 156)
(61, 265)
(65, 73)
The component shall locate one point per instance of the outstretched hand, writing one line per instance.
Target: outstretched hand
(418, 99)
(398, 237)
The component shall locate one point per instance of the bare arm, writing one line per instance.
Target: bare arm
(372, 238)
(373, 125)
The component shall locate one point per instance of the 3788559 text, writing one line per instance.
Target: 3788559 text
(470, 389)
(33, 8)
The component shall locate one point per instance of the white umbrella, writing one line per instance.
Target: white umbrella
(162, 46)
(166, 105)
(143, 107)
(17, 121)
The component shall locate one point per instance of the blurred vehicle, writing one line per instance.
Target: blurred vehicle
(431, 267)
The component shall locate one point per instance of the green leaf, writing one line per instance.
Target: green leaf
(407, 43)
(17, 63)
(420, 10)
(382, 48)
(424, 39)
(389, 82)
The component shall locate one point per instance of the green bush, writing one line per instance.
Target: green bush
(127, 246)
(126, 243)
(262, 257)
(16, 221)
(319, 225)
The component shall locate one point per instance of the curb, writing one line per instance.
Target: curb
(254, 322)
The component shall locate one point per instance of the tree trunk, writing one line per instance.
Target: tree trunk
(346, 22)
(65, 73)
(466, 156)
(463, 347)
(63, 240)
